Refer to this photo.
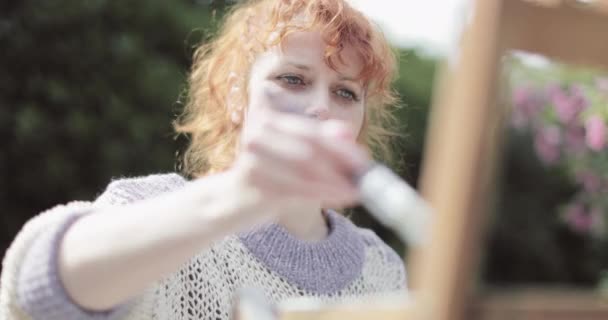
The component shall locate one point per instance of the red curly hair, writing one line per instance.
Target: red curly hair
(249, 29)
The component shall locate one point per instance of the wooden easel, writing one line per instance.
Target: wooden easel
(464, 137)
(458, 173)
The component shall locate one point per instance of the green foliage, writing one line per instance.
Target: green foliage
(527, 241)
(87, 92)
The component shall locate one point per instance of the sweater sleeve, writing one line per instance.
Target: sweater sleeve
(30, 287)
(40, 291)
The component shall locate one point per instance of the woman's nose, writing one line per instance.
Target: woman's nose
(319, 112)
(319, 105)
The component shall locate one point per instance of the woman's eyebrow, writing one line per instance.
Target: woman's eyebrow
(352, 80)
(299, 65)
(341, 77)
(347, 78)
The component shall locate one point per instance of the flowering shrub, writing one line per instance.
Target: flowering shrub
(567, 122)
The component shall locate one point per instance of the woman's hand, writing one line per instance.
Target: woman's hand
(286, 157)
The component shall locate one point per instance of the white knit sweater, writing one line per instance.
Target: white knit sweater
(351, 262)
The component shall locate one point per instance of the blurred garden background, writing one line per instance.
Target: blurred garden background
(88, 90)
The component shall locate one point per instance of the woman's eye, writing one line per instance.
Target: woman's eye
(292, 80)
(347, 94)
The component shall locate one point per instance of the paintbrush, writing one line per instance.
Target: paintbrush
(387, 197)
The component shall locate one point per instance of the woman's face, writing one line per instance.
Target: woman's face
(298, 80)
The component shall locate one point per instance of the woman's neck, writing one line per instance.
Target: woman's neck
(305, 221)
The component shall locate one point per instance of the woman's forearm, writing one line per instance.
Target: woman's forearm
(110, 256)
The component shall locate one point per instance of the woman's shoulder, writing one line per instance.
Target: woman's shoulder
(383, 265)
(128, 189)
(374, 242)
(366, 238)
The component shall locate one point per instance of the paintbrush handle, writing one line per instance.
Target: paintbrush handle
(394, 203)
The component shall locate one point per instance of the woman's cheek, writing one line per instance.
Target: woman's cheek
(282, 99)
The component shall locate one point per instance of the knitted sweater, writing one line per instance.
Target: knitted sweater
(349, 262)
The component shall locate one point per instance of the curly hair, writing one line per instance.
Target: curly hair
(252, 27)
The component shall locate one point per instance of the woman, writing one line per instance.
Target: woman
(282, 107)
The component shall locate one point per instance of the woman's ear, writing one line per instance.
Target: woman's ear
(234, 99)
(235, 117)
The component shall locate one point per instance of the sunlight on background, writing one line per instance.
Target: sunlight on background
(430, 25)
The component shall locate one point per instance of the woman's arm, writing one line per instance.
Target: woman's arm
(107, 257)
(110, 256)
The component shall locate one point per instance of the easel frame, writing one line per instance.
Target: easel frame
(463, 143)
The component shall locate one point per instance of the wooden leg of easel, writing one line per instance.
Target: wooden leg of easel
(456, 179)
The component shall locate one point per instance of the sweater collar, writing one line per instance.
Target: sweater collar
(322, 267)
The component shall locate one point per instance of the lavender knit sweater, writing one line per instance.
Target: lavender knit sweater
(350, 262)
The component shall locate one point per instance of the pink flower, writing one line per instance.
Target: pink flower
(602, 84)
(591, 181)
(568, 103)
(527, 103)
(574, 139)
(546, 143)
(518, 120)
(521, 95)
(595, 133)
(578, 218)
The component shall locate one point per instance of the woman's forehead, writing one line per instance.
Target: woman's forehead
(308, 47)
